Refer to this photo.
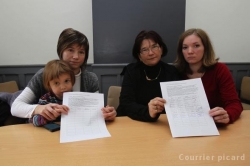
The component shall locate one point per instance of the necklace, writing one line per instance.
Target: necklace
(149, 79)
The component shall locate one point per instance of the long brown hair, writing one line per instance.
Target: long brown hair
(208, 59)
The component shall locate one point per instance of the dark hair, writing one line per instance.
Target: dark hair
(53, 69)
(69, 37)
(148, 35)
(208, 59)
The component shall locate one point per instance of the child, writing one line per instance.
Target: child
(58, 78)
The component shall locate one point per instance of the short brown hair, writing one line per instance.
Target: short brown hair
(208, 59)
(69, 37)
(148, 35)
(53, 69)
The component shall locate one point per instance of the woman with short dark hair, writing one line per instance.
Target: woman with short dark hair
(141, 97)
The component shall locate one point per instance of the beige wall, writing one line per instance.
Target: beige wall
(30, 28)
(228, 24)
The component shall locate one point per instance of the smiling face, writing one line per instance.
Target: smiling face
(193, 50)
(150, 52)
(61, 84)
(74, 56)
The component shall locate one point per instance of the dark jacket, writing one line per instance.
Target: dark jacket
(137, 91)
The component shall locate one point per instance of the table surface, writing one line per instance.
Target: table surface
(131, 143)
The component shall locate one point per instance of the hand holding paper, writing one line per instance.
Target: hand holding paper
(187, 108)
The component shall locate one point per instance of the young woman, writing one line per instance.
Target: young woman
(73, 48)
(196, 59)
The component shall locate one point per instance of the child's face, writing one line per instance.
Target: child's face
(60, 85)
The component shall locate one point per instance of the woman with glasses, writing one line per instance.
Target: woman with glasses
(72, 48)
(141, 97)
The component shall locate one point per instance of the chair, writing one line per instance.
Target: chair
(113, 96)
(10, 87)
(245, 93)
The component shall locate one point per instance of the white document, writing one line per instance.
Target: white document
(85, 119)
(187, 108)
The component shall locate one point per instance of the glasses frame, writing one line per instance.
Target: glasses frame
(154, 48)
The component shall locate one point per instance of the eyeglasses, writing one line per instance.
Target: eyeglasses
(154, 48)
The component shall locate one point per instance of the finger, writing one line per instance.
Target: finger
(160, 108)
(110, 109)
(160, 99)
(56, 112)
(48, 115)
(217, 111)
(110, 115)
(156, 108)
(222, 118)
(225, 120)
(62, 110)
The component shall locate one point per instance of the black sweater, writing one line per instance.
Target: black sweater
(137, 91)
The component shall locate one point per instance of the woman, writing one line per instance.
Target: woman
(73, 48)
(196, 59)
(141, 97)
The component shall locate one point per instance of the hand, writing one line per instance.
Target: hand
(109, 113)
(51, 111)
(219, 115)
(156, 106)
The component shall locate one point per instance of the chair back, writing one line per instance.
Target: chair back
(245, 88)
(113, 96)
(10, 86)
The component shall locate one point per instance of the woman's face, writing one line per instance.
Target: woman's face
(74, 56)
(193, 49)
(150, 52)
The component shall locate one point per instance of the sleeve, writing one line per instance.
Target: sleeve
(22, 106)
(91, 82)
(128, 105)
(228, 93)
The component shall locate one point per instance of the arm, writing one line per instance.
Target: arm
(228, 94)
(22, 107)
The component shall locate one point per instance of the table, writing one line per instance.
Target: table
(131, 143)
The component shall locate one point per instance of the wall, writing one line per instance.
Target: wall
(108, 74)
(30, 28)
(116, 23)
(227, 22)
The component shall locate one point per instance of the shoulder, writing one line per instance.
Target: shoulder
(89, 82)
(220, 65)
(132, 66)
(169, 68)
(89, 75)
(38, 75)
(220, 68)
